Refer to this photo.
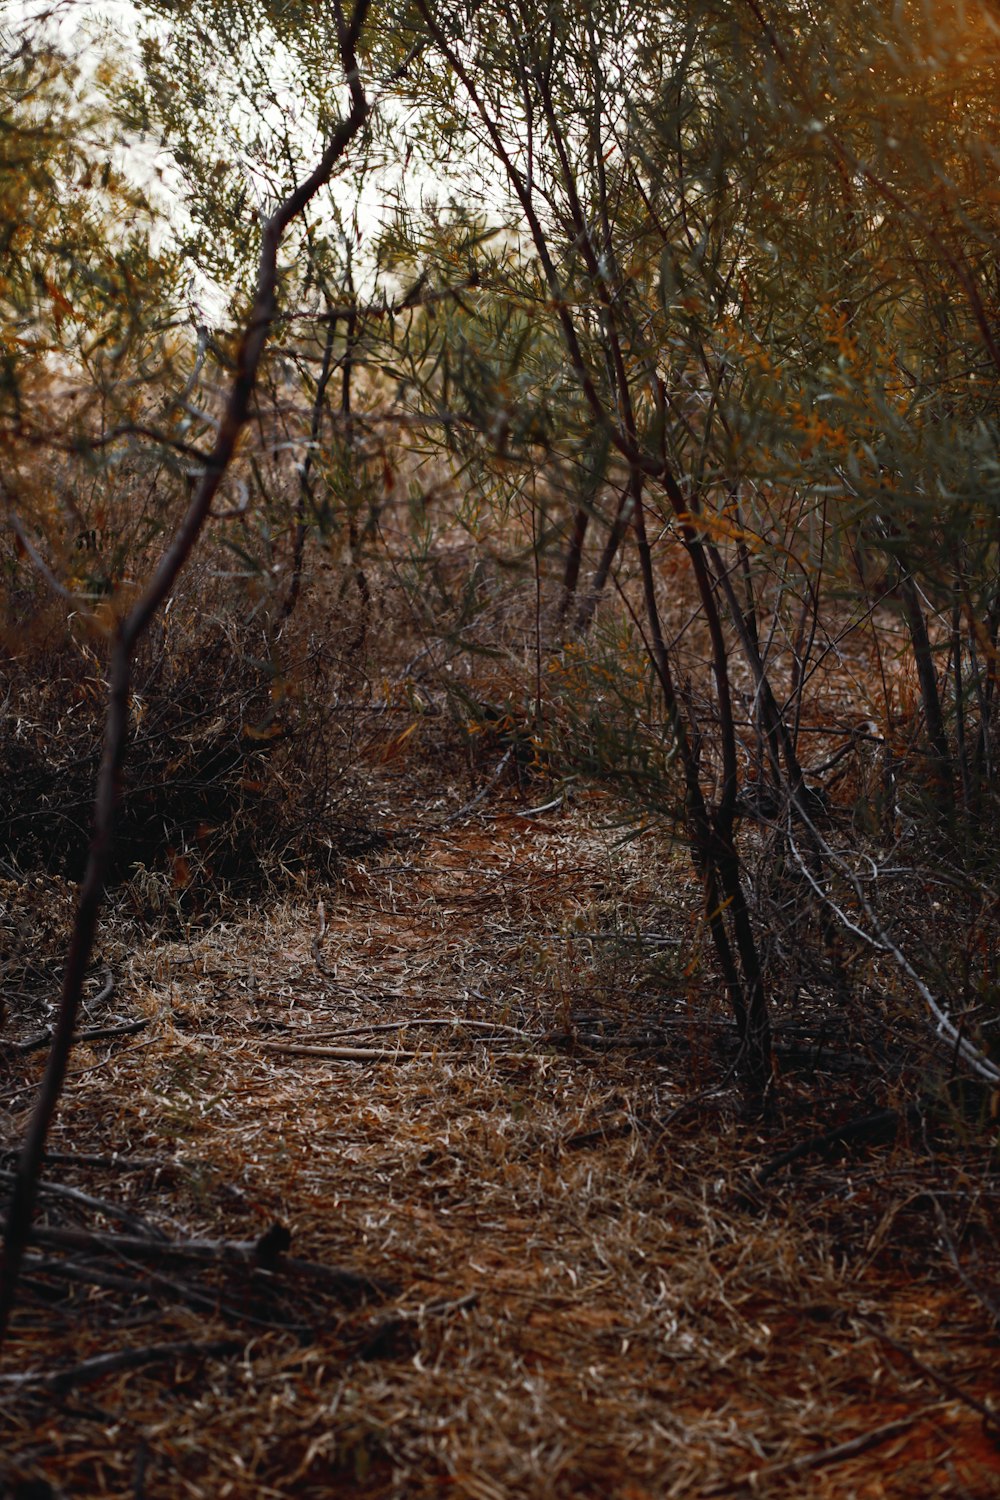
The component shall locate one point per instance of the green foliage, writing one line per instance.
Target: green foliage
(81, 289)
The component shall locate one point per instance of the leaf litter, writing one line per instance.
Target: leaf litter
(509, 1242)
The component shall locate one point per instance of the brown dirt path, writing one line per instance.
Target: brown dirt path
(586, 1303)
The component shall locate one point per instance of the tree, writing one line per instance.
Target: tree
(92, 332)
(135, 620)
(701, 311)
(738, 249)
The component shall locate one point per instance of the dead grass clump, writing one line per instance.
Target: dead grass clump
(36, 914)
(244, 763)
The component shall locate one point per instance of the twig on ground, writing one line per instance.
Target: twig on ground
(883, 1124)
(839, 1453)
(339, 1054)
(125, 1359)
(91, 1034)
(990, 1418)
(483, 792)
(100, 1205)
(245, 1253)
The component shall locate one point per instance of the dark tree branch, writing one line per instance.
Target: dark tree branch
(130, 631)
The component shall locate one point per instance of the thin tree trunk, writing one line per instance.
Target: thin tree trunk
(930, 696)
(598, 584)
(353, 535)
(574, 556)
(130, 631)
(305, 483)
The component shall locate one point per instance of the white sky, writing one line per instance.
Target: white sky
(85, 28)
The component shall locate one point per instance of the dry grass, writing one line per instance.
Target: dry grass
(591, 1297)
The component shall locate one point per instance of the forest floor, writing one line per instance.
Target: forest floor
(571, 1267)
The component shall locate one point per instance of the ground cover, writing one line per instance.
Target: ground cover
(436, 1182)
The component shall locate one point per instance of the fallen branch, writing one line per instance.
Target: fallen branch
(340, 1054)
(126, 1359)
(991, 1420)
(251, 1254)
(100, 1205)
(880, 1126)
(91, 1034)
(838, 1454)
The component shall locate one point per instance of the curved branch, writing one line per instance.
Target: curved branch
(131, 630)
(877, 937)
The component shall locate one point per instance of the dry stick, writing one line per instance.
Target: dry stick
(91, 1034)
(129, 633)
(838, 1454)
(990, 1418)
(135, 1222)
(332, 1036)
(246, 1253)
(340, 1054)
(125, 1359)
(986, 1299)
